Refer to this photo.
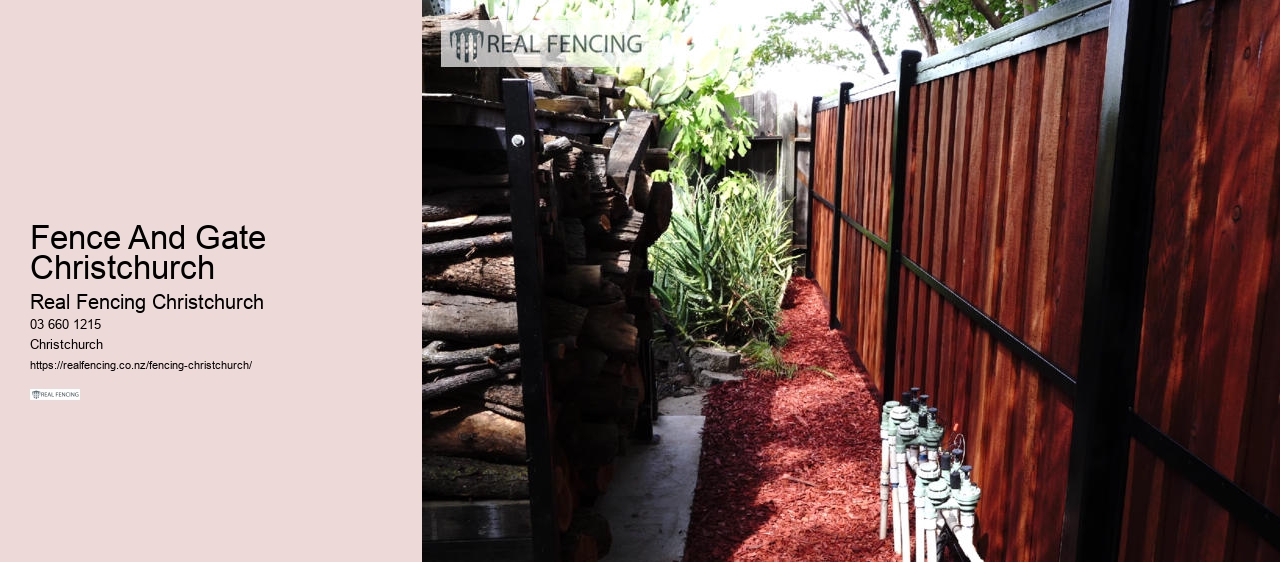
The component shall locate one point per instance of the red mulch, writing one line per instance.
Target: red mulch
(790, 469)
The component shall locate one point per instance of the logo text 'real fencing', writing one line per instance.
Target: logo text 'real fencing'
(500, 43)
(55, 394)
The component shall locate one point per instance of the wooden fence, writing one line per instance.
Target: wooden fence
(1065, 231)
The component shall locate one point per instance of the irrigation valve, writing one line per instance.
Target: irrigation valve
(932, 433)
(967, 497)
(909, 431)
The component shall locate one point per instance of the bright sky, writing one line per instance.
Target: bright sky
(797, 81)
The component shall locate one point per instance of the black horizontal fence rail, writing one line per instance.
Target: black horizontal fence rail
(1239, 503)
(1105, 422)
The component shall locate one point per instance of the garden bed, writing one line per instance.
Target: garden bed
(790, 468)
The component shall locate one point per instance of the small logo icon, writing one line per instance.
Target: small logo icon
(35, 395)
(466, 43)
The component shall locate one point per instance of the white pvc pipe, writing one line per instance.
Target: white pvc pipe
(897, 523)
(903, 504)
(919, 523)
(931, 538)
(884, 482)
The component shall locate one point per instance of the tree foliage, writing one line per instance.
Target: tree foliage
(846, 33)
(693, 88)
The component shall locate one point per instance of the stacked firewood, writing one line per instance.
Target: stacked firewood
(601, 212)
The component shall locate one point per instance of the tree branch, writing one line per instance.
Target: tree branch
(926, 28)
(861, 28)
(988, 13)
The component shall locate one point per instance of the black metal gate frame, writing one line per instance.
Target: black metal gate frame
(1105, 422)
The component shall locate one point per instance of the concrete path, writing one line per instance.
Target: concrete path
(648, 502)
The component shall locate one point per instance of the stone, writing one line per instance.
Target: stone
(685, 391)
(715, 359)
(665, 352)
(710, 378)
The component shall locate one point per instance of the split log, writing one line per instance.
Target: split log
(447, 381)
(564, 318)
(611, 262)
(489, 276)
(467, 318)
(598, 225)
(622, 234)
(468, 223)
(657, 216)
(583, 75)
(466, 247)
(575, 240)
(591, 148)
(454, 477)
(559, 346)
(434, 356)
(461, 202)
(577, 283)
(657, 159)
(564, 104)
(475, 433)
(631, 145)
(610, 328)
(433, 183)
(561, 79)
(504, 411)
(556, 147)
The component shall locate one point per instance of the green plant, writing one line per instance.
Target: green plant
(765, 358)
(724, 263)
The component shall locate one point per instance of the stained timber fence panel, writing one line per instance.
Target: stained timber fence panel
(1003, 145)
(1209, 369)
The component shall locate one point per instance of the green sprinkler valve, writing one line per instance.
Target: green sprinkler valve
(931, 432)
(967, 498)
(928, 469)
(907, 432)
(938, 492)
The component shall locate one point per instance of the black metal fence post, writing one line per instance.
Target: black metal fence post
(813, 157)
(522, 139)
(1115, 282)
(907, 62)
(838, 205)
